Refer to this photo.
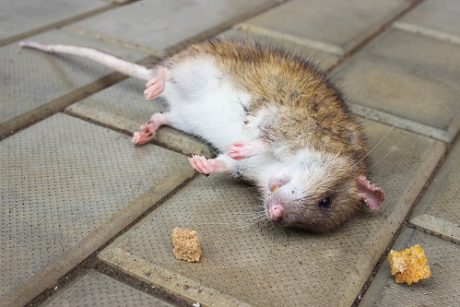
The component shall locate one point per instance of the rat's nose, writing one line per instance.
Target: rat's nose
(275, 212)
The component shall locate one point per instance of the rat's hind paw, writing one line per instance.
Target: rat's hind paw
(142, 137)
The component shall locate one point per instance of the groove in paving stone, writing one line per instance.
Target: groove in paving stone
(192, 21)
(114, 40)
(333, 23)
(400, 122)
(438, 210)
(87, 179)
(440, 290)
(97, 289)
(290, 38)
(54, 25)
(427, 31)
(253, 263)
(440, 16)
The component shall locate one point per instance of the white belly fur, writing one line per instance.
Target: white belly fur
(206, 103)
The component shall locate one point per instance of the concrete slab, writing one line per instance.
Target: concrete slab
(440, 290)
(97, 289)
(67, 187)
(410, 76)
(123, 106)
(31, 79)
(161, 24)
(331, 25)
(21, 16)
(438, 211)
(324, 60)
(245, 262)
(434, 17)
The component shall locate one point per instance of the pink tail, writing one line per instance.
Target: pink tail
(130, 69)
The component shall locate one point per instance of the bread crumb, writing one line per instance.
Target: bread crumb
(186, 245)
(409, 265)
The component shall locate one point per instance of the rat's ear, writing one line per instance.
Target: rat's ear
(369, 193)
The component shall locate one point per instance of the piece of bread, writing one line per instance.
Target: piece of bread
(409, 265)
(186, 245)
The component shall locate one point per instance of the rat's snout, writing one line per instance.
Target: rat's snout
(275, 183)
(276, 212)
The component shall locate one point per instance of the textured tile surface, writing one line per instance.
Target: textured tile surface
(407, 75)
(21, 16)
(123, 106)
(64, 179)
(96, 289)
(324, 60)
(31, 78)
(440, 290)
(268, 266)
(439, 15)
(159, 24)
(439, 209)
(343, 24)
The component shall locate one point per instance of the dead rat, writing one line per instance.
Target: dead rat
(276, 120)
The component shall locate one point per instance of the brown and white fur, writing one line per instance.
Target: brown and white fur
(275, 119)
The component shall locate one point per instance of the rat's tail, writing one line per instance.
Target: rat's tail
(130, 69)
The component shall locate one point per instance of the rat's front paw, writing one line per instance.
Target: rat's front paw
(243, 150)
(207, 166)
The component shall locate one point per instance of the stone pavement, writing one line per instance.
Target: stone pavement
(86, 217)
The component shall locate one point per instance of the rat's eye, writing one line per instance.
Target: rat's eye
(325, 202)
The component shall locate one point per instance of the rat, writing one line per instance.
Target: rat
(275, 119)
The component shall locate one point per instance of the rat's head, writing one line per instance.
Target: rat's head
(318, 192)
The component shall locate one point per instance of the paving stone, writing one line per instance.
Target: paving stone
(31, 78)
(66, 187)
(96, 289)
(161, 24)
(409, 76)
(22, 16)
(332, 24)
(440, 16)
(123, 106)
(324, 60)
(440, 290)
(254, 263)
(438, 211)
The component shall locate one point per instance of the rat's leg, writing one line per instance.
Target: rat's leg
(244, 149)
(148, 130)
(220, 164)
(156, 86)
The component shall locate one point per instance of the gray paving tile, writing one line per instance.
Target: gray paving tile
(331, 24)
(123, 106)
(440, 290)
(438, 211)
(68, 186)
(31, 78)
(23, 16)
(96, 289)
(324, 60)
(161, 24)
(409, 76)
(261, 265)
(440, 16)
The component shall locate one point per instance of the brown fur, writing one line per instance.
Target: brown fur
(310, 113)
